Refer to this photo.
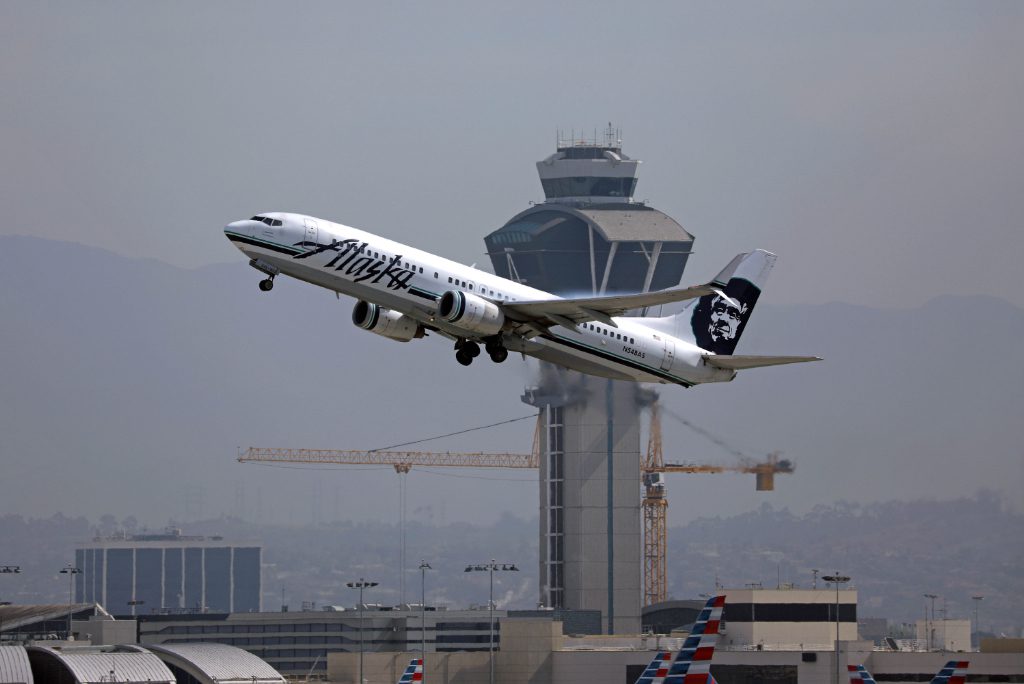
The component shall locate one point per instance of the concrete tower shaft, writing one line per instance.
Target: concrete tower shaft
(590, 237)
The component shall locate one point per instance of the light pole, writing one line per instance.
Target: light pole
(927, 624)
(490, 568)
(424, 566)
(360, 585)
(836, 579)
(977, 626)
(70, 571)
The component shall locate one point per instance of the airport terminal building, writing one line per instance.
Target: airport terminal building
(169, 572)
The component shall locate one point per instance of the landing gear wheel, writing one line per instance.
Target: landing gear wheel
(472, 349)
(267, 284)
(463, 358)
(492, 343)
(499, 355)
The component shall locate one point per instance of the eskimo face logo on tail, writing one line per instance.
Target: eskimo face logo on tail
(718, 323)
(353, 259)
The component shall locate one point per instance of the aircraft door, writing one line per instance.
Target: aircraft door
(669, 356)
(310, 237)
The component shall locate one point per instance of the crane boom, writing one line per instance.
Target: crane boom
(398, 459)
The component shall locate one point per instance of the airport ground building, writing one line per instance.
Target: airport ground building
(535, 651)
(135, 574)
(299, 642)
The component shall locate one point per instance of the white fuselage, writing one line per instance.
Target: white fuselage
(411, 281)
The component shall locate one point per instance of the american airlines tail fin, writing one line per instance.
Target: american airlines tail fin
(858, 675)
(413, 673)
(953, 672)
(715, 321)
(692, 665)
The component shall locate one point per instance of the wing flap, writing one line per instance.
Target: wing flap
(737, 362)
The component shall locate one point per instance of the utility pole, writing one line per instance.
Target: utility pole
(360, 585)
(424, 566)
(977, 626)
(491, 568)
(927, 624)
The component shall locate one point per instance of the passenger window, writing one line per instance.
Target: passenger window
(435, 274)
(449, 278)
(421, 269)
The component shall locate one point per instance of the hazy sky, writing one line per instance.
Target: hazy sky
(876, 147)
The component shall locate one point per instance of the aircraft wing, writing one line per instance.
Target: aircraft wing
(577, 310)
(736, 362)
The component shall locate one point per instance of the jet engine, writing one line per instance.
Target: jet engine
(385, 322)
(471, 313)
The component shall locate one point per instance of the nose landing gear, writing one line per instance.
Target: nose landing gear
(267, 284)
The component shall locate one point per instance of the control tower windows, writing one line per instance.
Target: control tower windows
(588, 186)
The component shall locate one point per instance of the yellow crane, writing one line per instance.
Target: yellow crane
(654, 506)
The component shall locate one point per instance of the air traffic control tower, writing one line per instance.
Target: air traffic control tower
(590, 237)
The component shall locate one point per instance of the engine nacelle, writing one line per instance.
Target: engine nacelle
(471, 313)
(385, 322)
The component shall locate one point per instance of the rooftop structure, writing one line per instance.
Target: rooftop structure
(215, 664)
(88, 664)
(14, 666)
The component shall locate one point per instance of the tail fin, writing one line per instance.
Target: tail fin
(656, 672)
(717, 320)
(858, 675)
(954, 672)
(413, 673)
(693, 662)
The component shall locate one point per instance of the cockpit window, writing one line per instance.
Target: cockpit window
(266, 219)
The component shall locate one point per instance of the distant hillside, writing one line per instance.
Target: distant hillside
(127, 385)
(895, 551)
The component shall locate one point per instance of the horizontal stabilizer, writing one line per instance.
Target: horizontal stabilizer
(735, 362)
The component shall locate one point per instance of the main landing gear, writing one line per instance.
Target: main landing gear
(467, 350)
(267, 284)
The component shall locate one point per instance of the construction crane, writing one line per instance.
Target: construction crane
(655, 505)
(402, 461)
(653, 469)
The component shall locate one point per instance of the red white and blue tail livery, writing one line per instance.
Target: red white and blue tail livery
(859, 675)
(692, 665)
(413, 673)
(953, 672)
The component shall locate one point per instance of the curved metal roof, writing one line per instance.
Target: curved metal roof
(219, 663)
(94, 664)
(616, 223)
(14, 666)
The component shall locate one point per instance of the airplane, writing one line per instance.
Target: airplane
(413, 673)
(692, 665)
(402, 293)
(953, 672)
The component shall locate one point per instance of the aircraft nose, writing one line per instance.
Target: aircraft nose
(239, 227)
